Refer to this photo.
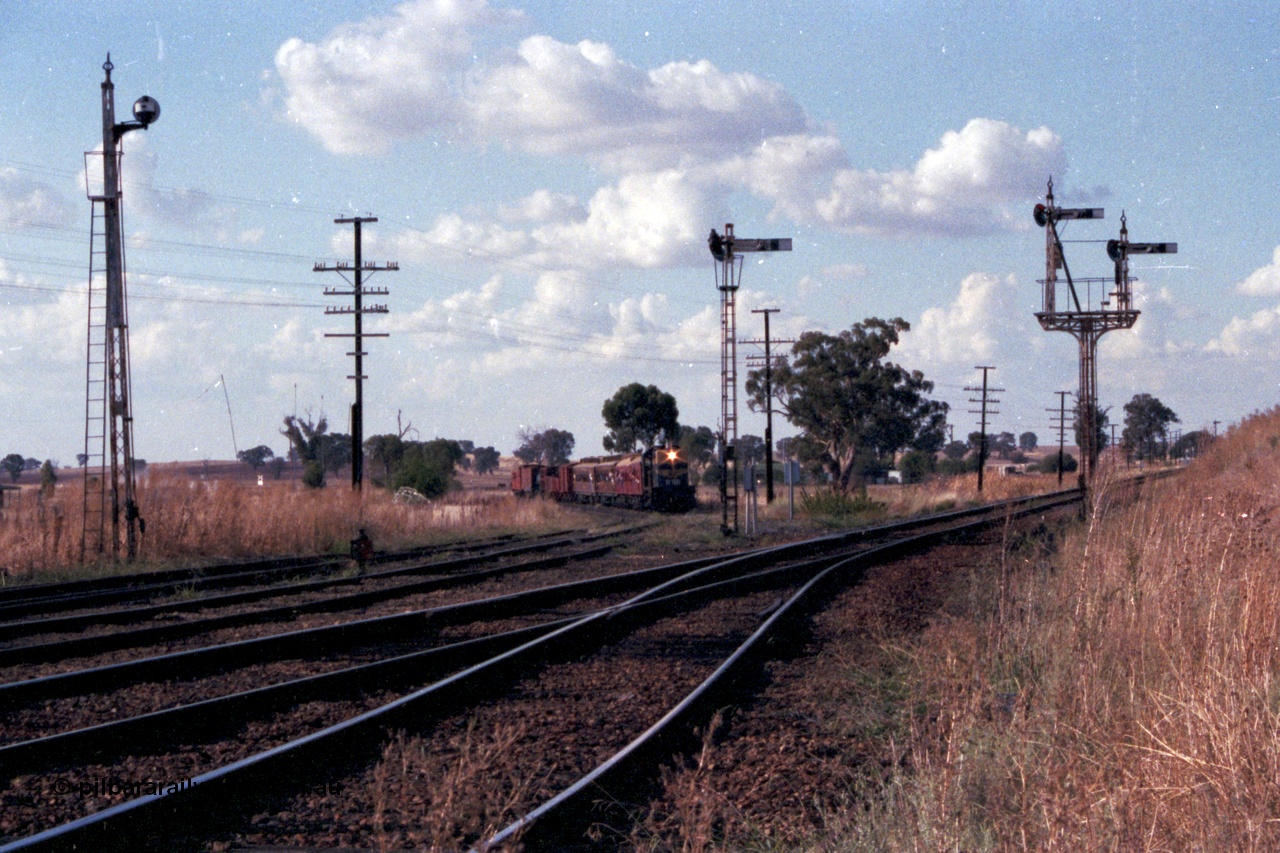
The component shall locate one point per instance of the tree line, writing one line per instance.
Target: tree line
(15, 464)
(858, 415)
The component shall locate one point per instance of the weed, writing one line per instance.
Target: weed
(1125, 699)
(436, 801)
(838, 508)
(191, 521)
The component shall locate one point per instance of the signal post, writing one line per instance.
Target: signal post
(727, 250)
(1084, 320)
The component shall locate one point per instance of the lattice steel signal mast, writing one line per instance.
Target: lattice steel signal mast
(1083, 320)
(727, 251)
(108, 389)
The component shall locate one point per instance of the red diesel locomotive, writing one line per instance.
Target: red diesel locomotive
(657, 479)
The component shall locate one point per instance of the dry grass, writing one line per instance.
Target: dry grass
(193, 520)
(698, 817)
(1123, 698)
(446, 801)
(935, 495)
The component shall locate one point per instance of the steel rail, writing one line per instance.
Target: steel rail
(183, 723)
(180, 576)
(153, 634)
(122, 616)
(69, 589)
(327, 639)
(36, 594)
(210, 718)
(557, 823)
(231, 579)
(169, 825)
(323, 640)
(165, 821)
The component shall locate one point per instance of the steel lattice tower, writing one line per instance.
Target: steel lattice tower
(1085, 322)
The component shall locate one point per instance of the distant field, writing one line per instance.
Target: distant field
(217, 509)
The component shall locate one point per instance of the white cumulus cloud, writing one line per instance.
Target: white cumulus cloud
(384, 78)
(423, 70)
(1257, 334)
(1264, 281)
(968, 330)
(645, 220)
(964, 186)
(582, 99)
(26, 201)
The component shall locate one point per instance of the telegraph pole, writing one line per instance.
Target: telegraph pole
(984, 411)
(1083, 320)
(768, 397)
(358, 291)
(108, 387)
(1062, 430)
(727, 251)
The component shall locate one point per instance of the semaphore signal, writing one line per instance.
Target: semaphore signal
(1083, 320)
(108, 418)
(727, 251)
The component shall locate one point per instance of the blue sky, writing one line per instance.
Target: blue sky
(545, 175)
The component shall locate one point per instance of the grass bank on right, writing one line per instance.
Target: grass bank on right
(1115, 689)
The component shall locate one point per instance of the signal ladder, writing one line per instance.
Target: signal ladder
(96, 471)
(729, 395)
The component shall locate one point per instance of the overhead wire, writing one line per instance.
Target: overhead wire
(188, 248)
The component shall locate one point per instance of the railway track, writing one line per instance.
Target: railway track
(443, 575)
(20, 605)
(758, 594)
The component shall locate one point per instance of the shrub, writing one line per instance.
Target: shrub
(427, 468)
(313, 475)
(1049, 464)
(915, 465)
(48, 478)
(835, 506)
(956, 467)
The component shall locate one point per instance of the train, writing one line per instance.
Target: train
(655, 479)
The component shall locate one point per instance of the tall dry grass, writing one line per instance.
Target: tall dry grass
(193, 520)
(934, 495)
(440, 800)
(1123, 695)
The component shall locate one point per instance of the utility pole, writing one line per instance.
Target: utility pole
(1061, 426)
(1083, 320)
(108, 386)
(358, 291)
(768, 398)
(727, 251)
(984, 411)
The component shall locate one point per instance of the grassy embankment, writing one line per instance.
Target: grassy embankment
(1111, 687)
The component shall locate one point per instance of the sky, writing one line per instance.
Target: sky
(545, 175)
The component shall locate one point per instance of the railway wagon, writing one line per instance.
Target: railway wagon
(652, 480)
